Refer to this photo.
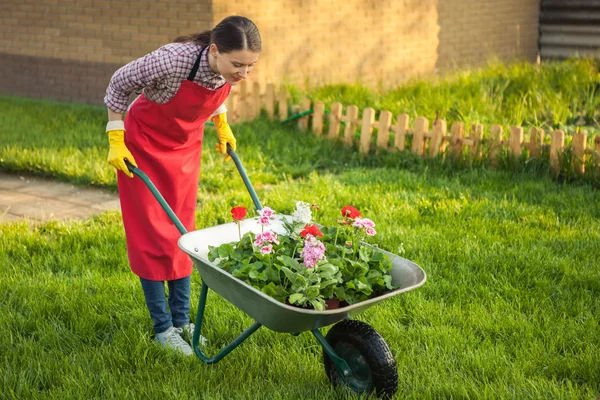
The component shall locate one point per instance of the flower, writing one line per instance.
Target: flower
(238, 213)
(265, 237)
(311, 230)
(265, 215)
(350, 212)
(308, 263)
(266, 249)
(313, 251)
(266, 212)
(302, 213)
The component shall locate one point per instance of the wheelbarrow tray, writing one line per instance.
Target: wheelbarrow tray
(266, 310)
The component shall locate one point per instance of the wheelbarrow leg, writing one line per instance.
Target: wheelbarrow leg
(341, 365)
(196, 337)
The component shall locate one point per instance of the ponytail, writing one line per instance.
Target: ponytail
(202, 38)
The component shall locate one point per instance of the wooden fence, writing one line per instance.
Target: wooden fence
(345, 122)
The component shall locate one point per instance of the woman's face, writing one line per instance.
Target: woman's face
(234, 66)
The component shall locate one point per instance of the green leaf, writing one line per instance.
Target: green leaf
(364, 253)
(297, 298)
(213, 253)
(225, 250)
(291, 276)
(312, 291)
(318, 305)
(388, 282)
(270, 289)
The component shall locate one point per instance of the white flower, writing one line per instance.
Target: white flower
(302, 213)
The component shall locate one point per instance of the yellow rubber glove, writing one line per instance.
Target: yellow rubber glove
(119, 152)
(225, 134)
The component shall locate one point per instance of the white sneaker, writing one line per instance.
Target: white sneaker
(187, 333)
(171, 339)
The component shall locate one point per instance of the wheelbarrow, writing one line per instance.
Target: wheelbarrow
(354, 353)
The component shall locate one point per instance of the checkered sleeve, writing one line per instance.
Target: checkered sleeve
(151, 71)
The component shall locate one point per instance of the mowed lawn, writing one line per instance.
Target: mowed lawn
(510, 308)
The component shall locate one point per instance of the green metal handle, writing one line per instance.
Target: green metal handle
(244, 176)
(163, 203)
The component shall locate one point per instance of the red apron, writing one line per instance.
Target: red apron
(166, 142)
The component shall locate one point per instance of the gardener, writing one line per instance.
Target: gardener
(183, 84)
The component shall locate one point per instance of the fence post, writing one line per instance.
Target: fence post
(579, 142)
(270, 100)
(383, 129)
(256, 103)
(400, 130)
(495, 144)
(418, 139)
(514, 143)
(351, 120)
(335, 117)
(232, 108)
(303, 121)
(366, 130)
(476, 137)
(317, 118)
(283, 103)
(556, 146)
(437, 135)
(456, 131)
(536, 141)
(243, 102)
(597, 152)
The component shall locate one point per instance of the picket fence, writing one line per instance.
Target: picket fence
(245, 104)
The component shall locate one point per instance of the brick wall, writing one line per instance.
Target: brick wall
(68, 49)
(341, 41)
(473, 32)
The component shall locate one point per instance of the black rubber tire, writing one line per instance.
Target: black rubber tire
(351, 334)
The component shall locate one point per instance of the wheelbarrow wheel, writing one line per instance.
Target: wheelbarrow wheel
(368, 356)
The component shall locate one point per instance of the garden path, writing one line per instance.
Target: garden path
(41, 200)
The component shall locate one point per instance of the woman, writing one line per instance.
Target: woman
(183, 85)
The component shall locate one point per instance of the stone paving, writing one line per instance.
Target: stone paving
(41, 200)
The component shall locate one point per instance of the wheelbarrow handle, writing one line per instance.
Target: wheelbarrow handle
(163, 203)
(244, 176)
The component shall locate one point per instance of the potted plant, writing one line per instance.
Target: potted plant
(310, 265)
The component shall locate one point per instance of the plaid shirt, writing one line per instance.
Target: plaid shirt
(160, 74)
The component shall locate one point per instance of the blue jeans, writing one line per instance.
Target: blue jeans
(179, 303)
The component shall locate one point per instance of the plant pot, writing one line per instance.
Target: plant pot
(332, 304)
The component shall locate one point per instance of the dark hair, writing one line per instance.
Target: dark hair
(233, 33)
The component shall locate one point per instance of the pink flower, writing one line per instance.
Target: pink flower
(266, 237)
(265, 216)
(370, 231)
(266, 249)
(363, 223)
(313, 251)
(266, 212)
(264, 221)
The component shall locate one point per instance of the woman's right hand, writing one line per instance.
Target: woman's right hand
(119, 152)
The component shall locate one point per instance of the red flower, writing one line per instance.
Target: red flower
(311, 230)
(350, 212)
(238, 213)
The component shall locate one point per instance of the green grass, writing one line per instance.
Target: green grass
(553, 95)
(510, 308)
